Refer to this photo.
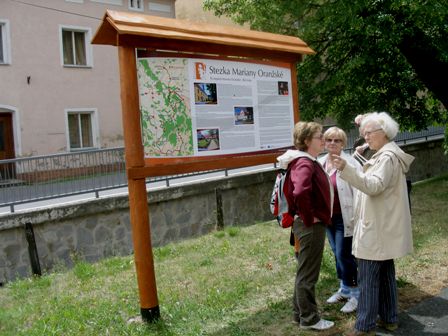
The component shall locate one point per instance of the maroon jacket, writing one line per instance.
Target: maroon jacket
(308, 191)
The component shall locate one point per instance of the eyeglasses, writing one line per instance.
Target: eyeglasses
(368, 133)
(319, 137)
(333, 140)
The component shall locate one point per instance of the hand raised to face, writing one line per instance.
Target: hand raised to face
(338, 162)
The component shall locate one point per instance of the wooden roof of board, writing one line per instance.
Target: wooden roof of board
(132, 29)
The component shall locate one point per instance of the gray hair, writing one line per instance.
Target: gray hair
(384, 121)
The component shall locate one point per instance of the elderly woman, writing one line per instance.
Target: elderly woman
(382, 222)
(309, 194)
(341, 230)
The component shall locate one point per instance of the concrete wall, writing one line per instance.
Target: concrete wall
(97, 229)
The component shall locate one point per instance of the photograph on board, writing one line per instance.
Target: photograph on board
(208, 139)
(283, 89)
(205, 93)
(244, 115)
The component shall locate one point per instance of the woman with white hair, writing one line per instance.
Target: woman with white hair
(382, 222)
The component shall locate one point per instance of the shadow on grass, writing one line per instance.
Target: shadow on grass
(429, 317)
(409, 294)
(275, 320)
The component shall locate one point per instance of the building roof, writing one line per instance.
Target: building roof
(138, 30)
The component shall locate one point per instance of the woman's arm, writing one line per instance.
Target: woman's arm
(375, 180)
(301, 178)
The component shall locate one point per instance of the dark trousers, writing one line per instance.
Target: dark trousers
(378, 293)
(311, 241)
(346, 266)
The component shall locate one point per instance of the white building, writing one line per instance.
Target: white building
(58, 92)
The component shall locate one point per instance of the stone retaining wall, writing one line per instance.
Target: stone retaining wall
(93, 230)
(429, 160)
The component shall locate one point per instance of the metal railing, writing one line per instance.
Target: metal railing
(31, 179)
(38, 178)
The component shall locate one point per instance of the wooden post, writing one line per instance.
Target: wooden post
(138, 204)
(295, 91)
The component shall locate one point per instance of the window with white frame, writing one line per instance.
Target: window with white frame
(81, 126)
(5, 49)
(75, 46)
(136, 5)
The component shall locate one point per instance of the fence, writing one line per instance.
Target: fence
(37, 178)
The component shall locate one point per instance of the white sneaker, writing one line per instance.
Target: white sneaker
(321, 325)
(350, 306)
(338, 297)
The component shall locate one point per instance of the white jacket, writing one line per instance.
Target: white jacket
(382, 215)
(346, 193)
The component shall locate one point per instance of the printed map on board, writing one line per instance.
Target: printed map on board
(165, 107)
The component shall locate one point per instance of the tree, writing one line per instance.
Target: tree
(371, 55)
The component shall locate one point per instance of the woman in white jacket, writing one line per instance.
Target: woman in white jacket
(382, 222)
(341, 230)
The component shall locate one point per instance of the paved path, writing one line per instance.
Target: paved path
(428, 318)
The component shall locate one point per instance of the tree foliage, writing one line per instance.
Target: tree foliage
(371, 55)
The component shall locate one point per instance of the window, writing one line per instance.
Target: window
(158, 7)
(136, 5)
(81, 126)
(5, 56)
(76, 49)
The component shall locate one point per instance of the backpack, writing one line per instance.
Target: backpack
(279, 204)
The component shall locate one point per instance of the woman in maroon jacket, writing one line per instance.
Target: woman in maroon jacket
(310, 197)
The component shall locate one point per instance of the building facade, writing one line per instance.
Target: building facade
(58, 92)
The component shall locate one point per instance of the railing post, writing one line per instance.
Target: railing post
(32, 249)
(219, 211)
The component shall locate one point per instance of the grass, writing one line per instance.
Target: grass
(228, 283)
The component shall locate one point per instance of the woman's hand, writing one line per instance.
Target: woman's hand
(362, 148)
(338, 162)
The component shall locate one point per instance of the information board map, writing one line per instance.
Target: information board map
(163, 88)
(200, 107)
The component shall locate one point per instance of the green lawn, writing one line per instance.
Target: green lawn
(233, 282)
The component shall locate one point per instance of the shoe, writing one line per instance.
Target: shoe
(350, 306)
(355, 332)
(338, 297)
(387, 326)
(321, 325)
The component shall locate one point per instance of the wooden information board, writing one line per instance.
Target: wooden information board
(253, 74)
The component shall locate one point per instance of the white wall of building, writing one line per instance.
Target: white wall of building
(39, 90)
(192, 10)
